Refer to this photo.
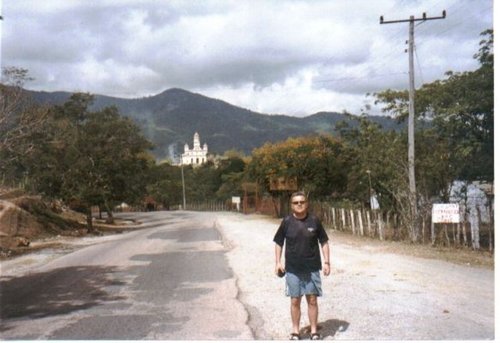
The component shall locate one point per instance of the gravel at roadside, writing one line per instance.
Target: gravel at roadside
(370, 295)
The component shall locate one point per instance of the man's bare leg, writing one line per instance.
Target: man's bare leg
(312, 310)
(295, 311)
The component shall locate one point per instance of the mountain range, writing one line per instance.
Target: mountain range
(171, 118)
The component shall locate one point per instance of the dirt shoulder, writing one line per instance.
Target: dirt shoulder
(377, 290)
(458, 255)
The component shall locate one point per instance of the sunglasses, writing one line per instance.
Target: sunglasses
(298, 202)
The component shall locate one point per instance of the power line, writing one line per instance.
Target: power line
(360, 77)
(368, 69)
(363, 70)
(340, 80)
(452, 13)
(419, 66)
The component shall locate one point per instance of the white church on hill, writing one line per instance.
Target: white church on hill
(196, 156)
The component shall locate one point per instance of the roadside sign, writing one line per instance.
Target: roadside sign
(237, 201)
(282, 183)
(445, 213)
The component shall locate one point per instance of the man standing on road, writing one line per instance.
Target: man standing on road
(302, 233)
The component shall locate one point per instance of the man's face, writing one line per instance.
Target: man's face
(299, 205)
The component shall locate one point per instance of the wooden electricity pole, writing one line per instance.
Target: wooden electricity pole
(411, 116)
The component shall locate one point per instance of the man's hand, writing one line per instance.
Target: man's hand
(326, 269)
(326, 258)
(279, 268)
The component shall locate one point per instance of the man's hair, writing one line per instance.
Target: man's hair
(297, 194)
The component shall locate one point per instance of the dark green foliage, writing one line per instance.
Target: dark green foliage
(84, 157)
(164, 184)
(171, 118)
(460, 110)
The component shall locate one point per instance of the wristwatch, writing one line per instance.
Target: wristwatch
(327, 263)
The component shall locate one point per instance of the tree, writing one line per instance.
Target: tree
(202, 182)
(116, 152)
(455, 138)
(460, 109)
(465, 114)
(369, 148)
(164, 184)
(315, 161)
(232, 175)
(20, 119)
(89, 158)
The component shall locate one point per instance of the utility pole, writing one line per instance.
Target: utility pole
(369, 172)
(183, 187)
(183, 183)
(1, 70)
(411, 114)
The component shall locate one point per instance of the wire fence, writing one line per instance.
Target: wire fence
(387, 225)
(382, 225)
(212, 206)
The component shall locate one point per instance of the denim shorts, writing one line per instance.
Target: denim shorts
(303, 284)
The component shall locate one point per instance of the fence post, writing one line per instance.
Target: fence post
(423, 228)
(446, 234)
(353, 226)
(380, 226)
(491, 224)
(369, 223)
(474, 227)
(324, 214)
(360, 216)
(479, 221)
(433, 233)
(395, 223)
(464, 224)
(334, 221)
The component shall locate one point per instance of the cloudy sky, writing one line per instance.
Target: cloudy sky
(272, 56)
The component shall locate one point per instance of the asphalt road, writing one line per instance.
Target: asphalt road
(170, 280)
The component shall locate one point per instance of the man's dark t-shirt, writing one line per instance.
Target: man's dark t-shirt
(301, 237)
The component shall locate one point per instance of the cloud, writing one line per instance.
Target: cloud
(273, 56)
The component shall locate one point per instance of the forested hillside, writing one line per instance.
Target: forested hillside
(170, 119)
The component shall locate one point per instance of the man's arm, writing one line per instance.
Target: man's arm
(326, 258)
(277, 253)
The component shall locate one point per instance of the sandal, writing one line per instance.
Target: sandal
(315, 337)
(294, 337)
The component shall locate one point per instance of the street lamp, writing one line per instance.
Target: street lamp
(183, 184)
(183, 188)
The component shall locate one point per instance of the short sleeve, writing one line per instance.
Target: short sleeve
(322, 236)
(279, 237)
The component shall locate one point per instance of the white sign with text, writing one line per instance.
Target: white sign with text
(445, 213)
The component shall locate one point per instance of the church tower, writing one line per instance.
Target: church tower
(198, 155)
(196, 141)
